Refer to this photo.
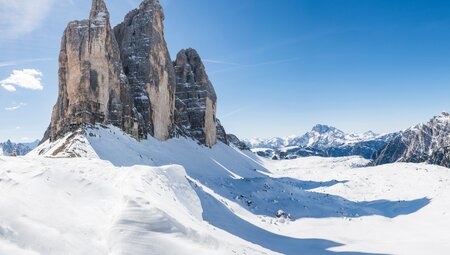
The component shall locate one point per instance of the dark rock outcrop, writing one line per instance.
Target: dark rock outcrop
(221, 134)
(92, 86)
(422, 143)
(234, 140)
(147, 64)
(196, 98)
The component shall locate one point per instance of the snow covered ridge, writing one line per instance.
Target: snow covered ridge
(322, 140)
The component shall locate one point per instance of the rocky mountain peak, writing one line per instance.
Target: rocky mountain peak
(98, 10)
(322, 129)
(196, 99)
(150, 5)
(422, 143)
(126, 78)
(147, 64)
(92, 85)
(8, 148)
(443, 119)
(189, 61)
(370, 133)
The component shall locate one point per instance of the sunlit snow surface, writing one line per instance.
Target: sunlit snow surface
(176, 197)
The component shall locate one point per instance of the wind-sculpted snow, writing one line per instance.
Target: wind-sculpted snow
(278, 207)
(88, 206)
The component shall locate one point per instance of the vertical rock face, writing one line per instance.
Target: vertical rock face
(125, 77)
(195, 98)
(92, 86)
(146, 62)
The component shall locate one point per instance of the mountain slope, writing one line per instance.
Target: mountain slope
(114, 145)
(422, 143)
(214, 202)
(88, 206)
(239, 193)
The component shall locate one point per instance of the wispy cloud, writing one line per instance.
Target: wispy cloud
(15, 107)
(19, 17)
(26, 79)
(24, 61)
(229, 114)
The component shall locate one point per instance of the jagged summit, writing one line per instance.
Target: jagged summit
(321, 129)
(147, 64)
(125, 77)
(322, 140)
(428, 142)
(196, 98)
(92, 85)
(194, 71)
(98, 9)
(150, 5)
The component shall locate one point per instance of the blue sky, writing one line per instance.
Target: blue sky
(279, 67)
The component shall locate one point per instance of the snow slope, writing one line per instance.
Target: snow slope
(88, 206)
(219, 201)
(422, 232)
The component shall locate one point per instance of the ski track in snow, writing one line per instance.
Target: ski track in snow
(176, 197)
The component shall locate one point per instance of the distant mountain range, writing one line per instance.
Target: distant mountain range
(322, 140)
(9, 148)
(426, 142)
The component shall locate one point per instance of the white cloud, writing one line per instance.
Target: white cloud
(26, 79)
(15, 107)
(9, 88)
(19, 17)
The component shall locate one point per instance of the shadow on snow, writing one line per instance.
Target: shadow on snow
(265, 196)
(218, 215)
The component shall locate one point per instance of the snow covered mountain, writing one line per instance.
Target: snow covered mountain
(428, 142)
(112, 194)
(8, 148)
(135, 162)
(322, 140)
